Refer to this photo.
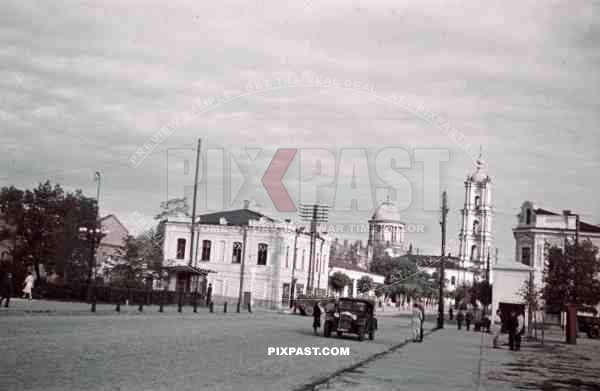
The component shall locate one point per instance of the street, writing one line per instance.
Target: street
(173, 351)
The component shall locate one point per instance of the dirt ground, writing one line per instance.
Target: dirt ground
(553, 365)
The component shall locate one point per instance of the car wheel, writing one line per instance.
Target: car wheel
(361, 335)
(371, 335)
(594, 333)
(308, 311)
(339, 333)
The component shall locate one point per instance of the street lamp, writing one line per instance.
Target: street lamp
(93, 236)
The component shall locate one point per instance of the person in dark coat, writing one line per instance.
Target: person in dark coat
(512, 326)
(460, 318)
(209, 294)
(317, 317)
(450, 314)
(469, 319)
(6, 287)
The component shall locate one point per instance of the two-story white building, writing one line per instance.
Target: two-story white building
(276, 260)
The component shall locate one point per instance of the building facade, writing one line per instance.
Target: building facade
(537, 228)
(276, 260)
(476, 236)
(111, 245)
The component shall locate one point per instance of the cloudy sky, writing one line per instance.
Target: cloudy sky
(87, 85)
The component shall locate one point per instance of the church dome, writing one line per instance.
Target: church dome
(386, 211)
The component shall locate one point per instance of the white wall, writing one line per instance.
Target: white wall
(264, 281)
(507, 283)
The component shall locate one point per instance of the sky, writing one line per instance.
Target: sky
(87, 86)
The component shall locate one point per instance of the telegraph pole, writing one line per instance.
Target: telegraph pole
(194, 202)
(440, 322)
(243, 261)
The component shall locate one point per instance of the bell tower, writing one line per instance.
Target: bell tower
(476, 233)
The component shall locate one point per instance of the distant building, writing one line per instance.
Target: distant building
(453, 272)
(111, 245)
(276, 261)
(476, 235)
(537, 227)
(386, 231)
(355, 272)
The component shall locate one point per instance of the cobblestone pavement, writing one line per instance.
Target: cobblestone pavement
(553, 365)
(171, 351)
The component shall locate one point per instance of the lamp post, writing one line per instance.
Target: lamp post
(93, 236)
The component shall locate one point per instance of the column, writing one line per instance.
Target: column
(354, 292)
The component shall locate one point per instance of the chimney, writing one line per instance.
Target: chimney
(246, 204)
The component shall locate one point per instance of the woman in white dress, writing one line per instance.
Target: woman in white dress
(28, 286)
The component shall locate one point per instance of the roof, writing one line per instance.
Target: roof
(239, 217)
(188, 269)
(540, 211)
(386, 211)
(585, 227)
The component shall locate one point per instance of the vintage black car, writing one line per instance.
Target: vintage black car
(351, 316)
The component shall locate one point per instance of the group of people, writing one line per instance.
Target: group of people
(472, 316)
(6, 287)
(514, 325)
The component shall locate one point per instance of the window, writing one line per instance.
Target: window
(474, 253)
(477, 202)
(180, 248)
(206, 244)
(222, 251)
(287, 257)
(475, 227)
(528, 217)
(262, 254)
(453, 280)
(526, 256)
(236, 256)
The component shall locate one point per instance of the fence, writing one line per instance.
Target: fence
(117, 295)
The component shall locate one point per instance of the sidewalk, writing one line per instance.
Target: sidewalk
(447, 359)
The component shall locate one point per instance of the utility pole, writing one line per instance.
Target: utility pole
(243, 262)
(315, 213)
(194, 203)
(440, 322)
(293, 280)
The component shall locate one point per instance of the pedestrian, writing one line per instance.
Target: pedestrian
(416, 322)
(469, 319)
(512, 326)
(209, 294)
(460, 317)
(421, 321)
(520, 330)
(317, 317)
(497, 328)
(6, 288)
(450, 313)
(28, 288)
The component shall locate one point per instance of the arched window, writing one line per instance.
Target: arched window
(528, 217)
(474, 252)
(477, 202)
(475, 227)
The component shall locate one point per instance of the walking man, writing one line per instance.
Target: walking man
(6, 287)
(469, 319)
(520, 331)
(460, 318)
(416, 322)
(316, 317)
(512, 326)
(497, 328)
(209, 294)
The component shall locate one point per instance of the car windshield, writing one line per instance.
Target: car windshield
(352, 306)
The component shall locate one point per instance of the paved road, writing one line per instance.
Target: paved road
(172, 351)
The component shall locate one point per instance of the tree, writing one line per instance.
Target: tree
(338, 281)
(481, 291)
(150, 244)
(173, 207)
(571, 276)
(129, 267)
(365, 284)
